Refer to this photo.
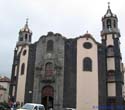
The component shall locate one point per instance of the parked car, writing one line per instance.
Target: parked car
(70, 109)
(32, 106)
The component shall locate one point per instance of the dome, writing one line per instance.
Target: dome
(26, 28)
(109, 13)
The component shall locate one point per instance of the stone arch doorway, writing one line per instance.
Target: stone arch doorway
(47, 97)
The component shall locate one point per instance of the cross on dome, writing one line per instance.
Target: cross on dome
(27, 19)
(108, 5)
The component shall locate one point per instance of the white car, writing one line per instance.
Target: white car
(32, 106)
(70, 109)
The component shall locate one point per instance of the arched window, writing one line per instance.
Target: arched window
(103, 24)
(48, 69)
(110, 51)
(109, 23)
(48, 91)
(26, 36)
(24, 52)
(29, 38)
(114, 24)
(49, 46)
(21, 39)
(22, 68)
(87, 64)
(111, 75)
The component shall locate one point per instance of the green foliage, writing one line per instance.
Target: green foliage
(4, 104)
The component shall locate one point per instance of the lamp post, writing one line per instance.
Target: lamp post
(30, 95)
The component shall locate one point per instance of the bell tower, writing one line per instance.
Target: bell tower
(21, 65)
(110, 35)
(110, 23)
(25, 35)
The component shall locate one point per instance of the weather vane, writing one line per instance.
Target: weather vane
(108, 4)
(27, 20)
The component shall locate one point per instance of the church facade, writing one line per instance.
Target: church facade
(62, 73)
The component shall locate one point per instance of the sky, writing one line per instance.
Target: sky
(71, 18)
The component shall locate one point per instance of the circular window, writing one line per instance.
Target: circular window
(24, 52)
(87, 45)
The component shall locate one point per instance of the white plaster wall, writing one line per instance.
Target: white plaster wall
(87, 82)
(3, 96)
(13, 91)
(111, 89)
(123, 91)
(5, 93)
(5, 84)
(18, 49)
(110, 63)
(22, 78)
(109, 40)
(121, 66)
(15, 71)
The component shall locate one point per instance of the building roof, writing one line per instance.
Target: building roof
(4, 79)
(88, 35)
